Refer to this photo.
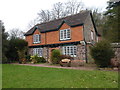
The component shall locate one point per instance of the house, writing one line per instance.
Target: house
(72, 35)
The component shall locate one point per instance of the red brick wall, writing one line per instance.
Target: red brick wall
(29, 38)
(53, 37)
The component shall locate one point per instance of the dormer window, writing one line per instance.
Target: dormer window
(65, 34)
(36, 38)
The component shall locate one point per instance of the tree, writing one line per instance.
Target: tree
(44, 16)
(73, 7)
(99, 20)
(21, 46)
(102, 53)
(112, 33)
(57, 11)
(16, 49)
(60, 10)
(33, 23)
(5, 43)
(16, 33)
(55, 56)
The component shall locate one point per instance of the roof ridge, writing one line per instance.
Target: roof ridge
(81, 12)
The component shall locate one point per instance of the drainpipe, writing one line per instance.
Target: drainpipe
(85, 44)
(46, 47)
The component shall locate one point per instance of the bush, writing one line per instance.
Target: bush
(55, 57)
(102, 53)
(28, 57)
(41, 59)
(36, 59)
(66, 57)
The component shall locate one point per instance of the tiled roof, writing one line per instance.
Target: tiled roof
(72, 21)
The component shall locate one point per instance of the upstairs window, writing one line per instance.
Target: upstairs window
(65, 34)
(36, 38)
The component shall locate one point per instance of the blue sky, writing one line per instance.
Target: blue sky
(18, 13)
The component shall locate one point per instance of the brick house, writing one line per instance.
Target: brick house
(72, 35)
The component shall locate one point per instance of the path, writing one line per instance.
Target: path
(51, 66)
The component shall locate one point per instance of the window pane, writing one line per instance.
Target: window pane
(68, 51)
(65, 34)
(65, 50)
(68, 33)
(61, 34)
(33, 38)
(72, 51)
(75, 50)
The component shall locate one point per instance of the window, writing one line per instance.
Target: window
(70, 50)
(37, 51)
(36, 38)
(92, 35)
(65, 34)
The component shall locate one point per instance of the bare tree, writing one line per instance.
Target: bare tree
(57, 10)
(32, 23)
(44, 16)
(16, 33)
(73, 7)
(60, 10)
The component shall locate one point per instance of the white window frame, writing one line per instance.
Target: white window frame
(70, 50)
(65, 34)
(38, 51)
(36, 38)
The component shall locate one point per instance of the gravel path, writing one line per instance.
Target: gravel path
(51, 66)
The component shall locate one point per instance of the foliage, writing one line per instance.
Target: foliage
(5, 43)
(12, 53)
(55, 56)
(99, 20)
(112, 24)
(28, 57)
(36, 59)
(22, 56)
(66, 57)
(37, 77)
(41, 60)
(102, 53)
(16, 50)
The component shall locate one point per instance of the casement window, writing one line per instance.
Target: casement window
(65, 34)
(70, 50)
(38, 51)
(92, 35)
(36, 38)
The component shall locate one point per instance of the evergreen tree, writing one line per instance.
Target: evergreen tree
(111, 29)
(5, 43)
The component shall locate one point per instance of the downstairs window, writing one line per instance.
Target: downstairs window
(70, 50)
(38, 51)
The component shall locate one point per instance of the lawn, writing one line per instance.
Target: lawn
(17, 76)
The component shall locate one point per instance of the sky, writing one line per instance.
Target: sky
(19, 13)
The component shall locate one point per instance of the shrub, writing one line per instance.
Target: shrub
(66, 57)
(102, 53)
(41, 59)
(34, 58)
(55, 56)
(28, 57)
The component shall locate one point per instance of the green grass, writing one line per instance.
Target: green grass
(17, 76)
